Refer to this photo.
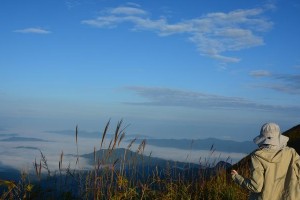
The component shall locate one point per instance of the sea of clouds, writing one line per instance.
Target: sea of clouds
(22, 155)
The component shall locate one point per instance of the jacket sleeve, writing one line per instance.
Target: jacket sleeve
(256, 181)
(296, 163)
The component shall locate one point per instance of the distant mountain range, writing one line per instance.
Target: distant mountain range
(205, 144)
(93, 134)
(185, 144)
(23, 139)
(8, 134)
(81, 133)
(27, 147)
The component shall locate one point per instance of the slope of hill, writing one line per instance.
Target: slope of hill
(294, 135)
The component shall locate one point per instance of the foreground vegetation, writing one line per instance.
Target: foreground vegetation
(131, 176)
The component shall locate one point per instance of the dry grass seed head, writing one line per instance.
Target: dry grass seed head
(104, 133)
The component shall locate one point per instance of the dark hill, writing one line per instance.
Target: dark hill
(116, 156)
(294, 135)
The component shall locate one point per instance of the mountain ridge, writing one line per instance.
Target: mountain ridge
(210, 144)
(22, 139)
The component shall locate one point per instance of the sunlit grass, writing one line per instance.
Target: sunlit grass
(125, 176)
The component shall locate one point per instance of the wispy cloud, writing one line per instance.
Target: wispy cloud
(8, 134)
(172, 97)
(290, 83)
(260, 73)
(72, 3)
(297, 66)
(2, 129)
(286, 83)
(214, 34)
(33, 30)
(125, 10)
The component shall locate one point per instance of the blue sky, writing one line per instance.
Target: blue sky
(170, 69)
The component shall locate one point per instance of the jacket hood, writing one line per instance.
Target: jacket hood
(270, 155)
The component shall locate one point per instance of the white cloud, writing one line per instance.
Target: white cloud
(125, 10)
(296, 67)
(286, 83)
(282, 88)
(260, 73)
(291, 83)
(179, 98)
(214, 34)
(33, 30)
(72, 3)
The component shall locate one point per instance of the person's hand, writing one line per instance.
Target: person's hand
(233, 172)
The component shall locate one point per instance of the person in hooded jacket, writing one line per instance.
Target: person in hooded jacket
(275, 168)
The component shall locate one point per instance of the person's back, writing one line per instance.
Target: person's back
(276, 177)
(275, 168)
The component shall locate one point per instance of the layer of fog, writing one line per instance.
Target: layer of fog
(22, 155)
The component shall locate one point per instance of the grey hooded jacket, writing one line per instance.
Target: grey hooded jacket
(274, 175)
